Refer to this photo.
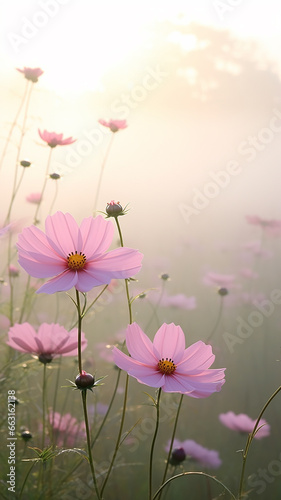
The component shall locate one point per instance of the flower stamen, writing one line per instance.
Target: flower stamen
(76, 261)
(166, 366)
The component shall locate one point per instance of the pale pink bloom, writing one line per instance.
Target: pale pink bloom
(114, 125)
(75, 256)
(54, 139)
(67, 430)
(179, 301)
(31, 74)
(4, 230)
(167, 364)
(221, 280)
(204, 456)
(270, 226)
(243, 423)
(34, 198)
(248, 273)
(52, 340)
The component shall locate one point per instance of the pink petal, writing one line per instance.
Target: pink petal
(119, 264)
(63, 234)
(198, 356)
(139, 345)
(169, 342)
(60, 283)
(97, 235)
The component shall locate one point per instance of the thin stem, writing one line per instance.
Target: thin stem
(13, 125)
(119, 435)
(192, 474)
(79, 332)
(250, 439)
(153, 443)
(126, 281)
(44, 186)
(25, 299)
(217, 321)
(25, 479)
(155, 307)
(84, 401)
(172, 442)
(54, 198)
(44, 406)
(101, 174)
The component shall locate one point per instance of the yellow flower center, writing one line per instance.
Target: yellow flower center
(166, 366)
(76, 260)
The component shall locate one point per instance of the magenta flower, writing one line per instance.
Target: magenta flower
(31, 74)
(114, 125)
(204, 456)
(243, 423)
(67, 430)
(52, 340)
(167, 364)
(75, 255)
(54, 139)
(34, 198)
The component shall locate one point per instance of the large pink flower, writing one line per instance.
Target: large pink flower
(243, 423)
(114, 125)
(51, 340)
(31, 74)
(167, 364)
(54, 139)
(75, 255)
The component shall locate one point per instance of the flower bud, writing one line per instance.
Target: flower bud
(114, 209)
(178, 456)
(84, 380)
(25, 163)
(26, 435)
(54, 176)
(222, 292)
(165, 277)
(45, 358)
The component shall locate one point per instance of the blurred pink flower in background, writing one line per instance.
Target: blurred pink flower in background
(75, 256)
(243, 423)
(34, 198)
(270, 226)
(66, 429)
(31, 74)
(13, 271)
(52, 340)
(114, 125)
(178, 301)
(204, 456)
(248, 273)
(167, 364)
(221, 280)
(54, 139)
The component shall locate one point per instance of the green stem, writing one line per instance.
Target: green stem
(119, 435)
(84, 401)
(217, 321)
(54, 198)
(25, 479)
(101, 174)
(153, 443)
(44, 406)
(79, 331)
(155, 307)
(250, 439)
(43, 187)
(192, 474)
(172, 442)
(126, 281)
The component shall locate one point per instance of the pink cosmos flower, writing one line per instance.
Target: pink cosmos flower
(67, 429)
(31, 74)
(243, 423)
(167, 364)
(75, 255)
(179, 301)
(54, 139)
(206, 457)
(52, 340)
(114, 125)
(34, 198)
(221, 280)
(270, 226)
